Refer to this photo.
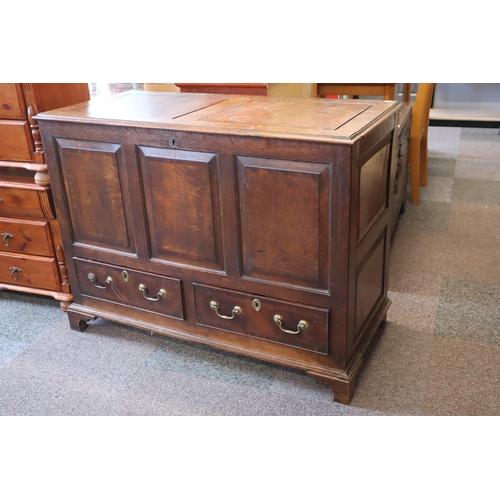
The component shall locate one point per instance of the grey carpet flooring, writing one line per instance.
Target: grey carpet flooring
(438, 354)
(110, 369)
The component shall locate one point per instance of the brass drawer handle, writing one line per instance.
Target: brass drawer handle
(5, 239)
(161, 293)
(236, 310)
(14, 271)
(303, 325)
(93, 279)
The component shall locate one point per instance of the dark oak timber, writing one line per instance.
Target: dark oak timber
(256, 225)
(401, 168)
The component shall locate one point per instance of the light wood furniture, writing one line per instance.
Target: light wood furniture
(292, 90)
(269, 89)
(406, 93)
(31, 255)
(256, 225)
(161, 87)
(418, 140)
(224, 88)
(388, 90)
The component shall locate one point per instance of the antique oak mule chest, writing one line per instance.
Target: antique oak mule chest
(256, 225)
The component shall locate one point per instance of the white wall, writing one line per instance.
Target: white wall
(467, 95)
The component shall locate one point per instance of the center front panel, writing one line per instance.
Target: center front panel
(182, 206)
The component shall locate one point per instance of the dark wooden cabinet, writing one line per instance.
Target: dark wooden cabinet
(31, 255)
(252, 224)
(401, 166)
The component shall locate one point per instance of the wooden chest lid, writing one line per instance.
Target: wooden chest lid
(324, 120)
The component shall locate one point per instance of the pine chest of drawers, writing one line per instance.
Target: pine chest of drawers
(31, 255)
(256, 225)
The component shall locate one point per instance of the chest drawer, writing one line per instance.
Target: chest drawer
(30, 271)
(296, 325)
(15, 201)
(26, 236)
(153, 293)
(11, 101)
(15, 141)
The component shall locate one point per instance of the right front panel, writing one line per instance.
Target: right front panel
(284, 216)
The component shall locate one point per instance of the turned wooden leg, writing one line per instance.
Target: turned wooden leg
(343, 390)
(78, 321)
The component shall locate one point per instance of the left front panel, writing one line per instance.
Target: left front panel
(95, 186)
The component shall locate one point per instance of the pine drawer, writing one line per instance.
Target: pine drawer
(21, 202)
(12, 105)
(26, 236)
(30, 271)
(16, 143)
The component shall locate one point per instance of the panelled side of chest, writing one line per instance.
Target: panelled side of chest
(370, 229)
(401, 166)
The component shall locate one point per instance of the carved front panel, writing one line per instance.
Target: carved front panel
(97, 194)
(284, 212)
(182, 204)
